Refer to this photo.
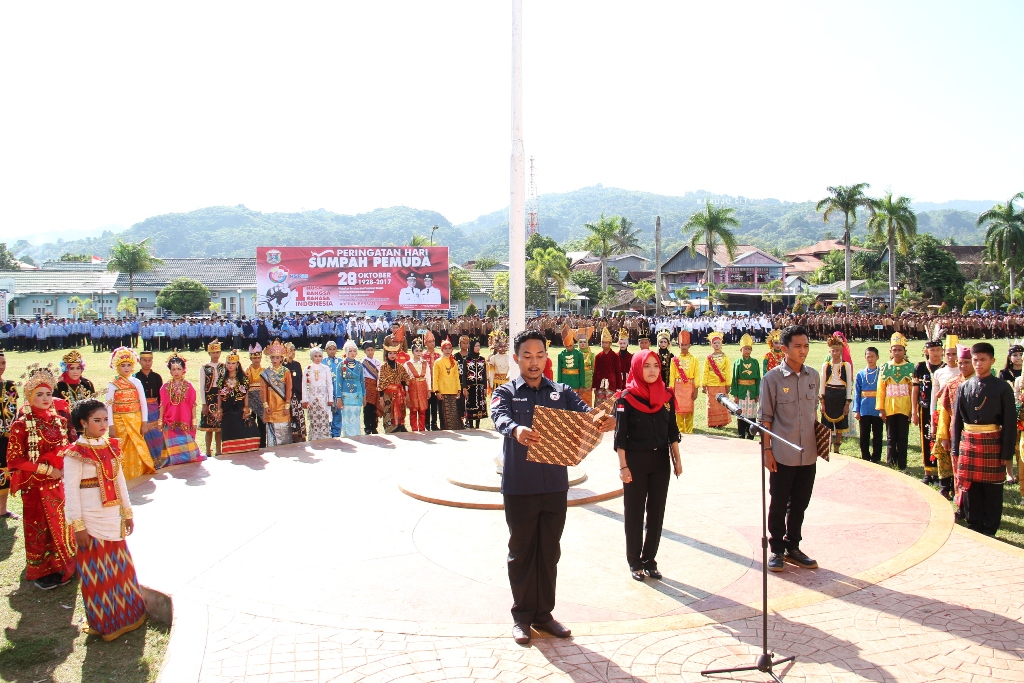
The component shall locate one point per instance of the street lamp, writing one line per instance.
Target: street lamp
(432, 230)
(241, 306)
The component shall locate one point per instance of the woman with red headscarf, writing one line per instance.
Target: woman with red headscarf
(647, 441)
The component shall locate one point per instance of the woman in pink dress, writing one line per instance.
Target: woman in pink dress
(177, 417)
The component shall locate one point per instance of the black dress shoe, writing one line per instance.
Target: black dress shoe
(521, 633)
(653, 573)
(637, 574)
(775, 563)
(554, 628)
(800, 559)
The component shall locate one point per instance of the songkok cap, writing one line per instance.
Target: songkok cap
(963, 352)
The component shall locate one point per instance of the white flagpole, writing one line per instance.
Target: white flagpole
(517, 200)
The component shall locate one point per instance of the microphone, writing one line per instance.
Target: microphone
(727, 404)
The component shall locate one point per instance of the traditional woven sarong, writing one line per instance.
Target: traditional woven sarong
(135, 458)
(180, 447)
(980, 459)
(110, 590)
(833, 416)
(718, 416)
(154, 438)
(350, 416)
(278, 434)
(451, 417)
(392, 409)
(49, 544)
(319, 421)
(748, 408)
(298, 421)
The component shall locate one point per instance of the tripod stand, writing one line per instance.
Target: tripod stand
(765, 661)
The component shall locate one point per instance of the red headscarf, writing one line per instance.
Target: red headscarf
(654, 394)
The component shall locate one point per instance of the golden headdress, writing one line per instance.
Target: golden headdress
(417, 344)
(275, 349)
(70, 358)
(746, 340)
(623, 333)
(499, 341)
(123, 354)
(175, 359)
(213, 347)
(898, 339)
(715, 335)
(606, 336)
(233, 357)
(951, 341)
(773, 337)
(38, 376)
(664, 334)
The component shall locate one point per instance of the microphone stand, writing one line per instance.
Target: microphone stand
(765, 661)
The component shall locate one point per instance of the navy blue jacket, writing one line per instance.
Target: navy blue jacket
(512, 406)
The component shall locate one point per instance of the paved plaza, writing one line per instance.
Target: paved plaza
(360, 560)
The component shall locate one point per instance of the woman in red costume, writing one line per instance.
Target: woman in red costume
(38, 437)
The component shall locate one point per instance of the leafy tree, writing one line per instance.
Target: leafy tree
(712, 227)
(500, 293)
(539, 241)
(627, 239)
(215, 307)
(602, 242)
(81, 306)
(459, 284)
(1004, 238)
(589, 282)
(492, 312)
(128, 305)
(549, 265)
(644, 290)
(716, 294)
(485, 263)
(134, 258)
(7, 259)
(936, 273)
(419, 241)
(845, 199)
(183, 295)
(972, 294)
(471, 309)
(846, 298)
(772, 293)
(894, 221)
(831, 269)
(75, 258)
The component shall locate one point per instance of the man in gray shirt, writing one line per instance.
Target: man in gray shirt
(789, 400)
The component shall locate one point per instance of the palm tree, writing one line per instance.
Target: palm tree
(712, 227)
(908, 299)
(550, 265)
(716, 294)
(846, 298)
(627, 240)
(132, 258)
(1004, 238)
(602, 242)
(644, 290)
(81, 306)
(807, 300)
(847, 199)
(972, 292)
(772, 293)
(895, 222)
(420, 240)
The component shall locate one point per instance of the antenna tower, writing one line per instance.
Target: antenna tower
(532, 223)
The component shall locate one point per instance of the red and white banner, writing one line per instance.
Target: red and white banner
(351, 278)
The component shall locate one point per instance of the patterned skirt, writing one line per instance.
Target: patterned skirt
(835, 403)
(135, 457)
(980, 459)
(391, 407)
(319, 421)
(451, 417)
(110, 590)
(298, 421)
(350, 420)
(278, 434)
(718, 416)
(178, 447)
(49, 544)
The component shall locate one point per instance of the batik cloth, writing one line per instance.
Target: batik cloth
(179, 447)
(392, 409)
(298, 421)
(319, 421)
(110, 590)
(451, 418)
(718, 416)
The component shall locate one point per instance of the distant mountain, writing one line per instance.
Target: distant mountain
(973, 205)
(236, 230)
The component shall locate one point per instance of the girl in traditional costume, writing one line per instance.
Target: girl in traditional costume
(177, 417)
(318, 395)
(238, 428)
(34, 457)
(392, 382)
(351, 389)
(127, 410)
(476, 379)
(448, 388)
(497, 362)
(209, 377)
(100, 515)
(420, 380)
(837, 380)
(298, 413)
(684, 381)
(252, 375)
(8, 414)
(277, 397)
(715, 379)
(71, 386)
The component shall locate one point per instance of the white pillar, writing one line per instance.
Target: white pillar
(517, 199)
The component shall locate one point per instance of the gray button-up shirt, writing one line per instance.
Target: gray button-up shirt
(789, 401)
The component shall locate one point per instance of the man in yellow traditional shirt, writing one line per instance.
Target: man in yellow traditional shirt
(716, 378)
(893, 401)
(683, 383)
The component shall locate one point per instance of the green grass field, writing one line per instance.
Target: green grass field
(41, 639)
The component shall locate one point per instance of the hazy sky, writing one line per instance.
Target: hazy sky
(115, 112)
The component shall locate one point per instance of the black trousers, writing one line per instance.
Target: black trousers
(433, 409)
(897, 428)
(871, 432)
(743, 429)
(984, 507)
(370, 418)
(535, 524)
(648, 492)
(790, 487)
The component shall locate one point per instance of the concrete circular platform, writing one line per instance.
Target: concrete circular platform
(321, 533)
(486, 476)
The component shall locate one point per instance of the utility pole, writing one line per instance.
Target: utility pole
(657, 266)
(517, 192)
